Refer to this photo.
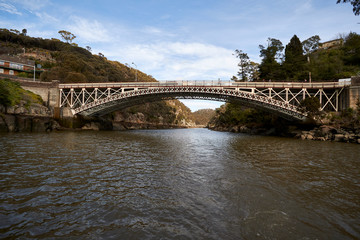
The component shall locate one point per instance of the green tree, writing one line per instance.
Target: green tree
(67, 36)
(295, 61)
(244, 63)
(310, 45)
(351, 49)
(270, 68)
(310, 105)
(254, 71)
(24, 32)
(354, 3)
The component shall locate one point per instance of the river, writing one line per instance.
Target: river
(177, 184)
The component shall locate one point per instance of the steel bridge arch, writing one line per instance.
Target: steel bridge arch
(109, 100)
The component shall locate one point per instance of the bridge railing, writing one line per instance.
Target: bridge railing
(211, 83)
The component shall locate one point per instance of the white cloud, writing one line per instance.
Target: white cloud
(46, 17)
(195, 105)
(32, 5)
(180, 60)
(88, 30)
(7, 7)
(304, 8)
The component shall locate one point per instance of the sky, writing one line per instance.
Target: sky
(180, 39)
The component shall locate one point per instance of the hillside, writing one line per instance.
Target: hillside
(69, 63)
(66, 62)
(203, 116)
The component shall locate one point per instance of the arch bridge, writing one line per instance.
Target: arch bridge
(281, 98)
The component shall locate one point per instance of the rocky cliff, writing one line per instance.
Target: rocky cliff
(26, 118)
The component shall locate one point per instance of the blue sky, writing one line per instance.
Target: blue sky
(180, 39)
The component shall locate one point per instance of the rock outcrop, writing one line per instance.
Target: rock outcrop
(329, 133)
(23, 118)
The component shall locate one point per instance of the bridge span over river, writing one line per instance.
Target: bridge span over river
(282, 98)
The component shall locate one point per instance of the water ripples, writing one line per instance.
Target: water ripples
(176, 184)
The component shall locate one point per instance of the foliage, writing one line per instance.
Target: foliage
(294, 64)
(236, 114)
(67, 36)
(254, 71)
(68, 60)
(351, 49)
(203, 116)
(354, 3)
(168, 112)
(11, 94)
(310, 105)
(331, 64)
(244, 64)
(311, 44)
(270, 68)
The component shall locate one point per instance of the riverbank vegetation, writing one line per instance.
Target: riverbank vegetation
(11, 94)
(304, 61)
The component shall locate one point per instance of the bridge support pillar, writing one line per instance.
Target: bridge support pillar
(66, 112)
(354, 96)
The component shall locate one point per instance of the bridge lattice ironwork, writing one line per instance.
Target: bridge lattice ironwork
(280, 97)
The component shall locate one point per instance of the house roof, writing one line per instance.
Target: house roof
(16, 59)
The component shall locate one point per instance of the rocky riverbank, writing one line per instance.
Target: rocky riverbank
(329, 133)
(25, 118)
(320, 133)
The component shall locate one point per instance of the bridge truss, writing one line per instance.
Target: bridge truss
(94, 99)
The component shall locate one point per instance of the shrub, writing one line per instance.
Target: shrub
(310, 105)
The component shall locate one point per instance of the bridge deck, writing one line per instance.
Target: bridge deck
(215, 83)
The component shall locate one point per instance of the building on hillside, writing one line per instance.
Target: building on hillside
(331, 44)
(13, 65)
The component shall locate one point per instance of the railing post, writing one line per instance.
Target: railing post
(61, 94)
(321, 93)
(337, 101)
(83, 97)
(71, 97)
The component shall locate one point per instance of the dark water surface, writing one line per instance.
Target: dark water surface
(177, 184)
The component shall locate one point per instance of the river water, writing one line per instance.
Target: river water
(177, 184)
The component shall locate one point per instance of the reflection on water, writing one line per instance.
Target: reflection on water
(177, 184)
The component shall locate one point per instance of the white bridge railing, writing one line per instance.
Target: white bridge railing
(211, 83)
(94, 98)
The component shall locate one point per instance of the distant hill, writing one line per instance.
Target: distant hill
(203, 116)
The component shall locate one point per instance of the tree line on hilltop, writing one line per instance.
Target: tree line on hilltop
(308, 60)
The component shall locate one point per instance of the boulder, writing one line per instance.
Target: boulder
(10, 122)
(91, 126)
(339, 137)
(40, 124)
(118, 126)
(2, 108)
(234, 129)
(3, 126)
(24, 124)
